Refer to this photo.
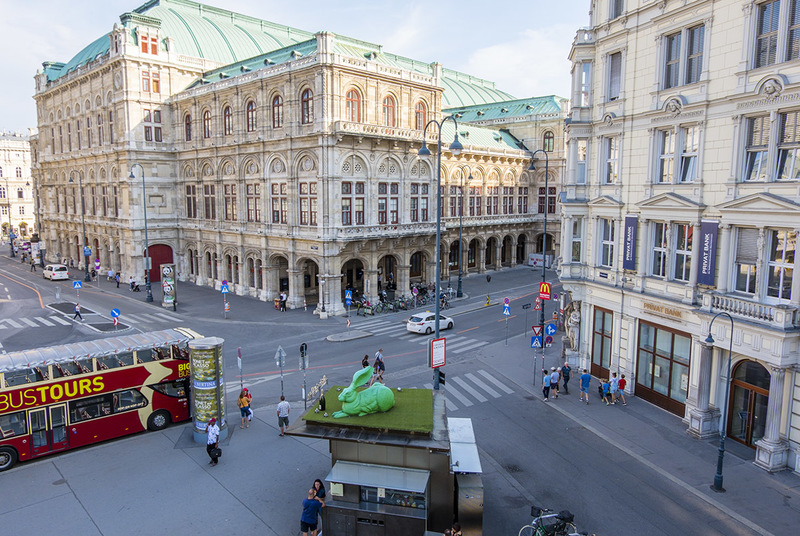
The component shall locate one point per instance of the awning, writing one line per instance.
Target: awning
(463, 450)
(379, 476)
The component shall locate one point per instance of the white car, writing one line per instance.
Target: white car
(55, 271)
(426, 323)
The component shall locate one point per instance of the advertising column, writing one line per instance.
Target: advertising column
(168, 282)
(208, 398)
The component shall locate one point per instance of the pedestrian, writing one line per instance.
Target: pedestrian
(212, 443)
(33, 264)
(554, 378)
(613, 387)
(283, 301)
(311, 509)
(606, 386)
(94, 274)
(116, 278)
(565, 373)
(379, 367)
(132, 283)
(621, 390)
(244, 407)
(585, 379)
(77, 312)
(545, 385)
(319, 490)
(283, 415)
(456, 529)
(365, 361)
(110, 275)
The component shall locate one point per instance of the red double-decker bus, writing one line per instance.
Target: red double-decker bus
(61, 397)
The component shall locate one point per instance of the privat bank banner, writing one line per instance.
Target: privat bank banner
(629, 260)
(708, 252)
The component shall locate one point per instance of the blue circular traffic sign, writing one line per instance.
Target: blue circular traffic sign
(114, 313)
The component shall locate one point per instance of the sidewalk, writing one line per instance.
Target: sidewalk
(766, 503)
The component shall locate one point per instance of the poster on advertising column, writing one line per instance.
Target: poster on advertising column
(168, 285)
(708, 252)
(629, 260)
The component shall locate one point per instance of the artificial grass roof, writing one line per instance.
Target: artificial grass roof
(412, 412)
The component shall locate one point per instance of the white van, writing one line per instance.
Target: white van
(55, 271)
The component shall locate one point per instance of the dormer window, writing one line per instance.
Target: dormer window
(149, 44)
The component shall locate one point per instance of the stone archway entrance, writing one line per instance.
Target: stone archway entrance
(387, 273)
(353, 278)
(491, 247)
(417, 266)
(521, 243)
(505, 251)
(747, 414)
(472, 254)
(159, 254)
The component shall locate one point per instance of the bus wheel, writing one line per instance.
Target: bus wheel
(158, 420)
(8, 457)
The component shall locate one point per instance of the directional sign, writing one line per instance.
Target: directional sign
(77, 285)
(526, 305)
(348, 322)
(280, 356)
(348, 294)
(114, 313)
(548, 341)
(544, 290)
(506, 310)
(224, 288)
(348, 301)
(550, 328)
(536, 342)
(506, 301)
(116, 321)
(87, 251)
(537, 330)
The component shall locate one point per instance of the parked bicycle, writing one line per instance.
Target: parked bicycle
(548, 523)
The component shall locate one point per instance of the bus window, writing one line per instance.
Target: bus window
(79, 366)
(114, 361)
(175, 389)
(20, 377)
(60, 372)
(13, 424)
(127, 400)
(180, 353)
(90, 408)
(153, 354)
(125, 358)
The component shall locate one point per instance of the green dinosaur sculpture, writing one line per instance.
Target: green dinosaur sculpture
(374, 399)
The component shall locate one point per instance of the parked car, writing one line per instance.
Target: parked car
(55, 271)
(426, 323)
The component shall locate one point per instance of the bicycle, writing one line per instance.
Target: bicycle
(548, 523)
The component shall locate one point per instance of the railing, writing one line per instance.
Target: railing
(782, 316)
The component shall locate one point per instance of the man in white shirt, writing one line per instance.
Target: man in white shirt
(283, 415)
(613, 387)
(213, 440)
(555, 376)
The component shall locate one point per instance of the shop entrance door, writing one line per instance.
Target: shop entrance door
(747, 417)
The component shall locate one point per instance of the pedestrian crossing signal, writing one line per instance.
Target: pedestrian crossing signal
(440, 375)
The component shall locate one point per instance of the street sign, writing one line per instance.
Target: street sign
(414, 291)
(506, 310)
(77, 285)
(348, 322)
(348, 301)
(280, 357)
(536, 342)
(224, 288)
(526, 305)
(538, 299)
(116, 321)
(548, 341)
(550, 329)
(97, 264)
(544, 290)
(537, 307)
(555, 295)
(114, 313)
(348, 294)
(87, 251)
(438, 352)
(506, 301)
(537, 330)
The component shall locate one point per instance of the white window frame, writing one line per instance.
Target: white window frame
(788, 152)
(782, 264)
(781, 37)
(612, 95)
(685, 38)
(658, 261)
(690, 144)
(577, 240)
(762, 160)
(585, 83)
(665, 140)
(681, 271)
(756, 157)
(615, 9)
(750, 267)
(611, 152)
(607, 243)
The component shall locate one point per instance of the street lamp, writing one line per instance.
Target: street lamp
(717, 486)
(544, 231)
(87, 277)
(424, 152)
(147, 287)
(10, 226)
(459, 293)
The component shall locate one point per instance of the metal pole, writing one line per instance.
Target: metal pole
(459, 292)
(544, 235)
(87, 277)
(717, 486)
(147, 286)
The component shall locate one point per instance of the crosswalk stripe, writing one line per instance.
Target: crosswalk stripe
(44, 321)
(383, 330)
(466, 402)
(60, 320)
(450, 405)
(167, 317)
(12, 323)
(30, 322)
(471, 390)
(495, 381)
(461, 343)
(482, 385)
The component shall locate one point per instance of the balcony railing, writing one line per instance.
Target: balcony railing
(780, 316)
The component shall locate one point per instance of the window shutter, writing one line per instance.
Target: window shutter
(747, 246)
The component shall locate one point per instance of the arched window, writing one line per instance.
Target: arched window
(388, 111)
(420, 116)
(353, 106)
(207, 124)
(251, 116)
(306, 107)
(227, 120)
(277, 112)
(548, 142)
(187, 127)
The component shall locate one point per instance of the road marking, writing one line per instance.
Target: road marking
(482, 385)
(450, 405)
(460, 344)
(466, 330)
(167, 317)
(466, 402)
(495, 381)
(383, 330)
(471, 390)
(44, 321)
(30, 322)
(13, 324)
(41, 303)
(61, 321)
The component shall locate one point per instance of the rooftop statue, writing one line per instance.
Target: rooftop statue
(374, 399)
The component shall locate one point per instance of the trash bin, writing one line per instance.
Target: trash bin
(390, 294)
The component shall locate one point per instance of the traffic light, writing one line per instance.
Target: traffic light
(440, 375)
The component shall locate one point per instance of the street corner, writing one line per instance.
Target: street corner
(348, 336)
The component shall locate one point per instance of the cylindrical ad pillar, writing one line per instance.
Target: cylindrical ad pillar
(208, 398)
(168, 285)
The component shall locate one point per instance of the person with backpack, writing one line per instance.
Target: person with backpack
(606, 393)
(77, 312)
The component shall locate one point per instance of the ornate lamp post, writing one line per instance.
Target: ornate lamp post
(459, 292)
(147, 286)
(717, 486)
(424, 152)
(544, 229)
(86, 277)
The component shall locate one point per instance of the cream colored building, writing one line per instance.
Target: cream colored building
(276, 159)
(681, 202)
(16, 192)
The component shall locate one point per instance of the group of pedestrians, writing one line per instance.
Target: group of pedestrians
(378, 366)
(551, 380)
(614, 389)
(312, 506)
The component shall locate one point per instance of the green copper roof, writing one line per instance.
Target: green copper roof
(547, 105)
(481, 137)
(95, 49)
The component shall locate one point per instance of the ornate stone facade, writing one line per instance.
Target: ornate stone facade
(16, 190)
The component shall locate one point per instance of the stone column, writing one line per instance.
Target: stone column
(566, 244)
(703, 421)
(724, 261)
(513, 254)
(480, 258)
(403, 280)
(371, 284)
(498, 250)
(334, 297)
(296, 290)
(796, 280)
(241, 287)
(771, 451)
(691, 291)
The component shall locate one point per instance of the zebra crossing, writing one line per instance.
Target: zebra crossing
(468, 389)
(455, 342)
(56, 320)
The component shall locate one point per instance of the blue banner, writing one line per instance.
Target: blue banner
(629, 260)
(708, 252)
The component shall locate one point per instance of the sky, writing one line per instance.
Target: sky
(522, 45)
